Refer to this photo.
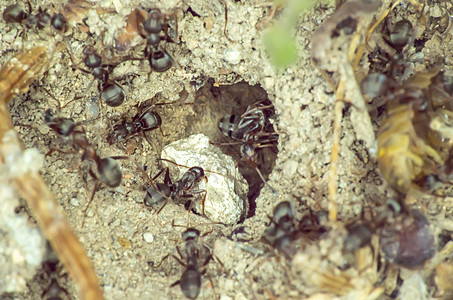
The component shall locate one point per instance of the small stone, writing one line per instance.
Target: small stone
(290, 167)
(148, 237)
(232, 56)
(74, 202)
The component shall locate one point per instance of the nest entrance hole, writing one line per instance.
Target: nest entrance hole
(213, 103)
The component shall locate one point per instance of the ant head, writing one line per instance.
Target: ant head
(14, 13)
(400, 34)
(191, 234)
(153, 23)
(112, 94)
(58, 22)
(92, 59)
(62, 126)
(228, 126)
(65, 126)
(283, 240)
(160, 61)
(109, 172)
(248, 151)
(190, 283)
(283, 213)
(48, 116)
(198, 171)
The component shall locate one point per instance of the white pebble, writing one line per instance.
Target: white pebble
(148, 237)
(232, 56)
(74, 202)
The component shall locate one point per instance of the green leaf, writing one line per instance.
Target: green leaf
(281, 46)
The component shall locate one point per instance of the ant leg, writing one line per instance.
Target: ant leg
(180, 255)
(226, 144)
(173, 15)
(84, 94)
(176, 164)
(177, 225)
(207, 260)
(52, 150)
(167, 256)
(119, 157)
(265, 182)
(217, 260)
(52, 96)
(213, 288)
(202, 201)
(86, 121)
(175, 283)
(162, 207)
(96, 185)
(271, 146)
(252, 109)
(142, 170)
(75, 65)
(167, 179)
(188, 214)
(161, 131)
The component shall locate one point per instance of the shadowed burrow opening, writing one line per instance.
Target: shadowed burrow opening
(246, 114)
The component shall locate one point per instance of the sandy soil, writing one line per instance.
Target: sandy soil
(117, 222)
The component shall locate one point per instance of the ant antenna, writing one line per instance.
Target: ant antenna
(265, 182)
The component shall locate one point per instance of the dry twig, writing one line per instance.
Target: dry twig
(15, 78)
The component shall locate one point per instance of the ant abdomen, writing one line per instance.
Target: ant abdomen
(160, 61)
(14, 14)
(112, 94)
(150, 120)
(190, 283)
(109, 172)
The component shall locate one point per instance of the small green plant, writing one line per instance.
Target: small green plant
(279, 39)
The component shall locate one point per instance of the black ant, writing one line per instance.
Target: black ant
(251, 130)
(399, 37)
(108, 169)
(284, 228)
(158, 194)
(251, 122)
(150, 30)
(51, 267)
(141, 123)
(14, 13)
(111, 92)
(194, 258)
